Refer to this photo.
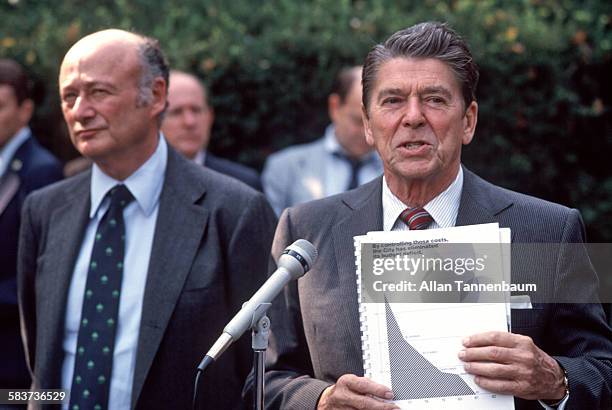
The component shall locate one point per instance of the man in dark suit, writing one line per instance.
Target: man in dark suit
(128, 272)
(24, 167)
(187, 126)
(419, 109)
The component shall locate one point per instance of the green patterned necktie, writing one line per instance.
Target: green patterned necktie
(94, 356)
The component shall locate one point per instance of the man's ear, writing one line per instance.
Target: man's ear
(469, 123)
(333, 104)
(26, 109)
(159, 90)
(366, 127)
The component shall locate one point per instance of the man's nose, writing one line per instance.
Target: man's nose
(82, 109)
(189, 118)
(413, 114)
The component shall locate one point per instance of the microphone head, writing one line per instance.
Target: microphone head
(298, 257)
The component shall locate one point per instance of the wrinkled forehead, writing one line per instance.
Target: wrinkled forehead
(96, 55)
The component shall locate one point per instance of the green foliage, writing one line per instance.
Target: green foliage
(544, 97)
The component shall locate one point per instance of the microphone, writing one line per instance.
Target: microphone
(293, 263)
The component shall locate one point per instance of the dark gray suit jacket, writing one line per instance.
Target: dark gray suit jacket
(241, 172)
(315, 324)
(210, 253)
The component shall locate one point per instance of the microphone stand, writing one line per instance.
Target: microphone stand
(260, 326)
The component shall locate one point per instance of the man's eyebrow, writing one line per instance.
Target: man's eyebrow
(434, 89)
(89, 85)
(389, 91)
(98, 83)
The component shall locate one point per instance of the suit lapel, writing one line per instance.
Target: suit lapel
(10, 182)
(363, 210)
(480, 203)
(180, 226)
(63, 245)
(9, 185)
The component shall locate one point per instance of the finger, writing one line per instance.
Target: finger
(363, 385)
(503, 339)
(359, 402)
(501, 386)
(488, 353)
(491, 370)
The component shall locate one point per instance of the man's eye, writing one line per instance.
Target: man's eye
(98, 92)
(436, 100)
(391, 100)
(69, 98)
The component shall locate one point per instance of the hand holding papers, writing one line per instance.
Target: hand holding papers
(411, 333)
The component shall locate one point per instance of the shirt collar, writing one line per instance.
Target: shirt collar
(145, 183)
(332, 146)
(8, 151)
(200, 157)
(443, 208)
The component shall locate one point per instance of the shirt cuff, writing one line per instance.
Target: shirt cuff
(560, 406)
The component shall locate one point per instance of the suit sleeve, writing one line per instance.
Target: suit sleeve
(582, 340)
(249, 261)
(26, 272)
(289, 374)
(276, 183)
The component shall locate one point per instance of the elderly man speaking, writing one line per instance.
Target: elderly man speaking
(419, 109)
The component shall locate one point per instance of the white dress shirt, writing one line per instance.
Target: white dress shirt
(443, 208)
(337, 172)
(140, 217)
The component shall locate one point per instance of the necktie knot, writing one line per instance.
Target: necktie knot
(120, 196)
(416, 218)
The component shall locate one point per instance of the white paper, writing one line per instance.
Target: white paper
(426, 337)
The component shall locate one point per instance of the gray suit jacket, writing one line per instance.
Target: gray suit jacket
(210, 253)
(315, 325)
(297, 174)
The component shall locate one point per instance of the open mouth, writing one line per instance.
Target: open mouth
(413, 145)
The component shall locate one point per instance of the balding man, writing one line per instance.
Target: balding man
(187, 126)
(128, 272)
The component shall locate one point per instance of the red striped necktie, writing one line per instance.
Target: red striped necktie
(416, 218)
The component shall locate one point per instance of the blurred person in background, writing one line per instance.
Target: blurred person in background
(187, 125)
(339, 161)
(24, 167)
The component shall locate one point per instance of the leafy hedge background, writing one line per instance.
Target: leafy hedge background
(545, 124)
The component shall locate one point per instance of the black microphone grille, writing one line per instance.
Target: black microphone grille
(303, 251)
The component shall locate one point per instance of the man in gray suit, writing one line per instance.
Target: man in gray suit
(419, 109)
(128, 272)
(339, 161)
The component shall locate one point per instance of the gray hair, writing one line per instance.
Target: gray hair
(153, 65)
(424, 40)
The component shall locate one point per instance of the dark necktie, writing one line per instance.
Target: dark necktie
(356, 165)
(94, 355)
(416, 218)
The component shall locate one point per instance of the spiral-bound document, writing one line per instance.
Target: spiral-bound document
(412, 347)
